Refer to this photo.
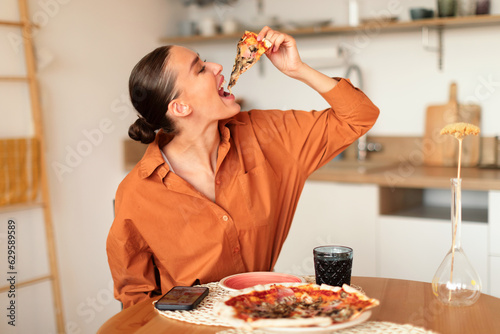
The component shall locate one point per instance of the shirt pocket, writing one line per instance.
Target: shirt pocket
(260, 188)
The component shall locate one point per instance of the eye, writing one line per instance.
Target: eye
(203, 67)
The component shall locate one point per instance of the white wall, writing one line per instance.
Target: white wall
(400, 76)
(94, 45)
(87, 49)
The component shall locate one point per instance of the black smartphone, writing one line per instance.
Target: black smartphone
(182, 298)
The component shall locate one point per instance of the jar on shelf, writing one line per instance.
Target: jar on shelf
(447, 8)
(353, 13)
(482, 7)
(466, 7)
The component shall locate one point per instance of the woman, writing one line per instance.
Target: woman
(216, 190)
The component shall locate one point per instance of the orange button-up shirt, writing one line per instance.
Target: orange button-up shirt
(166, 233)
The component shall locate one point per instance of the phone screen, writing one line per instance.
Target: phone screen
(182, 298)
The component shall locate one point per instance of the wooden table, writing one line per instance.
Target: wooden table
(401, 301)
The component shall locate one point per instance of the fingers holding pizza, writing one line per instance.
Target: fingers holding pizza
(284, 53)
(285, 56)
(281, 49)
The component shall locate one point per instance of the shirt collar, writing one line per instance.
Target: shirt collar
(224, 128)
(153, 158)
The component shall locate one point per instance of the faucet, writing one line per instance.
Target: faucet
(354, 67)
(362, 147)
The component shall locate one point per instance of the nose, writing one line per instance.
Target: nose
(216, 68)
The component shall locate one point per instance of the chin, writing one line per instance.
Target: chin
(234, 106)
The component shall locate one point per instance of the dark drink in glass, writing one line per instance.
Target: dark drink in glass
(333, 265)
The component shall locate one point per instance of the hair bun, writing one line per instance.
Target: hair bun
(142, 131)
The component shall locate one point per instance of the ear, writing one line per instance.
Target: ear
(179, 109)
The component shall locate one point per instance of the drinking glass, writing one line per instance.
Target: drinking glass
(333, 265)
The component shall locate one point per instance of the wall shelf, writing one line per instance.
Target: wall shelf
(371, 27)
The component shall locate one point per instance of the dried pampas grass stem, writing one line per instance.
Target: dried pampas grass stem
(460, 130)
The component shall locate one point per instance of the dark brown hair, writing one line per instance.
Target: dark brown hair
(151, 89)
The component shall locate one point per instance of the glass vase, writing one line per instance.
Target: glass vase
(456, 283)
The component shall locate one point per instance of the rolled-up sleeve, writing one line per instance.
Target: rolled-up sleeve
(314, 138)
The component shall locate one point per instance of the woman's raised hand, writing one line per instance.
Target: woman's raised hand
(283, 54)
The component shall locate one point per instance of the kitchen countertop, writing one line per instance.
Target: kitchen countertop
(406, 175)
(390, 168)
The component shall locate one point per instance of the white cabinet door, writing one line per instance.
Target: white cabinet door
(495, 276)
(413, 248)
(494, 221)
(332, 213)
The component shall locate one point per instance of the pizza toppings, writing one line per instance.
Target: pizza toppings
(248, 52)
(297, 305)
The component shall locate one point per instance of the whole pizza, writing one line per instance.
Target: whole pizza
(293, 305)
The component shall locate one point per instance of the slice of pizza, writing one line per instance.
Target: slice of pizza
(294, 305)
(248, 52)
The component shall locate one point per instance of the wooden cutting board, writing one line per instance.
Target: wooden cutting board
(442, 150)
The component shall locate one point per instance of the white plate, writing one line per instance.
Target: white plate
(305, 330)
(246, 280)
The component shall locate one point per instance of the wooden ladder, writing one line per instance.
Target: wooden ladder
(26, 28)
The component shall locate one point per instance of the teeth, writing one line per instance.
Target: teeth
(222, 84)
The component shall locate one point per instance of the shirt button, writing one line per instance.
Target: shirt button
(236, 249)
(217, 182)
(225, 218)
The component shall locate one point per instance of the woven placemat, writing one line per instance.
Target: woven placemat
(370, 327)
(205, 315)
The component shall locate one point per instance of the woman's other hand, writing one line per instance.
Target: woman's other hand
(283, 54)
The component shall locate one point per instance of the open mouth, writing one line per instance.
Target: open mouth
(221, 91)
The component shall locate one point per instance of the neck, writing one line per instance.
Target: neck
(192, 150)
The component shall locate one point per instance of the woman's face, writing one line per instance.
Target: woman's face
(201, 86)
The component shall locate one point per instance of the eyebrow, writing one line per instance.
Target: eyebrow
(195, 61)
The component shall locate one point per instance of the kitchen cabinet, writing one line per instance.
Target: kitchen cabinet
(494, 241)
(405, 244)
(495, 276)
(415, 232)
(413, 248)
(332, 213)
(494, 221)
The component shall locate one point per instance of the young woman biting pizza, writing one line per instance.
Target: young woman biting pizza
(216, 190)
